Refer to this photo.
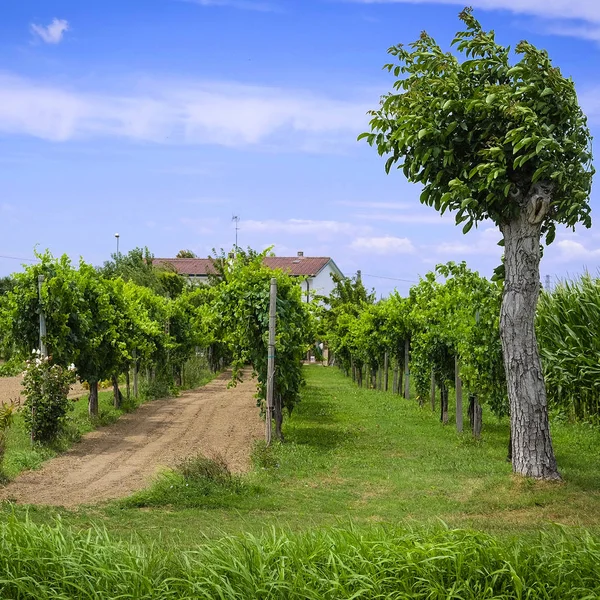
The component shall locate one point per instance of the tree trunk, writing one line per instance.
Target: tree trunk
(400, 381)
(386, 371)
(477, 418)
(407, 369)
(444, 404)
(117, 396)
(395, 380)
(432, 393)
(278, 414)
(127, 384)
(93, 399)
(532, 453)
(459, 399)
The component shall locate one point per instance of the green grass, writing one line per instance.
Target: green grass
(370, 497)
(362, 456)
(50, 562)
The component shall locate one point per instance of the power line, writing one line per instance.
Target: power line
(391, 278)
(19, 258)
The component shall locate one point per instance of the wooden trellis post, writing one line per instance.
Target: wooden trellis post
(271, 359)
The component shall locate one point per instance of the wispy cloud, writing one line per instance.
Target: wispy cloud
(304, 227)
(587, 10)
(386, 244)
(417, 218)
(52, 33)
(478, 243)
(176, 112)
(374, 205)
(570, 250)
(582, 31)
(240, 4)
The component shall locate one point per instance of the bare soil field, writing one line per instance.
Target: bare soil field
(117, 460)
(11, 389)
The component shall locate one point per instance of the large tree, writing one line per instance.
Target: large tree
(506, 142)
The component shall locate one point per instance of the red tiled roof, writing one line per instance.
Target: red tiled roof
(293, 265)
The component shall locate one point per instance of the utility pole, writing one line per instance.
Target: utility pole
(236, 220)
(547, 283)
(271, 359)
(117, 255)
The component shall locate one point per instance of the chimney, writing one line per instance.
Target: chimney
(300, 253)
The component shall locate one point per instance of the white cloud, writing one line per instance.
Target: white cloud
(383, 245)
(241, 4)
(571, 250)
(377, 205)
(484, 242)
(53, 33)
(587, 10)
(586, 32)
(303, 227)
(431, 217)
(228, 114)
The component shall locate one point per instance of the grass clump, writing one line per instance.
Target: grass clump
(49, 562)
(197, 482)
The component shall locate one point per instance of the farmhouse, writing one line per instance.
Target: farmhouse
(314, 271)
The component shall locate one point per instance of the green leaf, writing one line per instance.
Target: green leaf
(422, 133)
(467, 227)
(490, 98)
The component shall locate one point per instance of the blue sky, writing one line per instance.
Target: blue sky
(161, 119)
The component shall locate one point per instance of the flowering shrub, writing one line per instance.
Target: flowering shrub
(46, 387)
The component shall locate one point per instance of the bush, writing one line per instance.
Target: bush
(197, 482)
(46, 387)
(6, 419)
(12, 367)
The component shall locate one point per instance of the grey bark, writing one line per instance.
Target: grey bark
(475, 415)
(278, 414)
(459, 398)
(532, 453)
(117, 396)
(386, 371)
(93, 399)
(395, 380)
(444, 404)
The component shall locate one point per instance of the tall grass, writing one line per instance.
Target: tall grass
(51, 562)
(568, 322)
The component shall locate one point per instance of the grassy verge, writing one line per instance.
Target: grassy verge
(48, 562)
(363, 457)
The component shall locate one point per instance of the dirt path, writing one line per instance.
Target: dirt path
(11, 389)
(114, 461)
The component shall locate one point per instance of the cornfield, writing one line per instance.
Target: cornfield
(568, 330)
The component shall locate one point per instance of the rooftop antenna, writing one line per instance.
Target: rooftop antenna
(236, 219)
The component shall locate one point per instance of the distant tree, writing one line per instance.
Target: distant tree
(490, 140)
(135, 266)
(186, 254)
(6, 284)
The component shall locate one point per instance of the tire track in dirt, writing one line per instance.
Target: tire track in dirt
(115, 461)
